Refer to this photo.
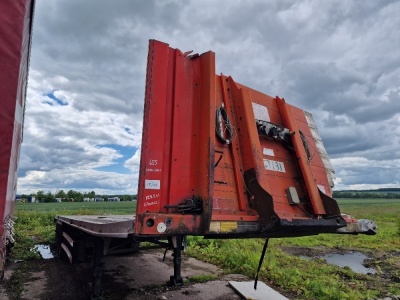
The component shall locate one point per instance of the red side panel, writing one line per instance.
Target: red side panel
(15, 39)
(178, 97)
(219, 158)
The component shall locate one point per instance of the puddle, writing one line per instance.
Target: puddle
(353, 260)
(44, 251)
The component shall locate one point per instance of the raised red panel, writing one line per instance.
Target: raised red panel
(175, 174)
(213, 162)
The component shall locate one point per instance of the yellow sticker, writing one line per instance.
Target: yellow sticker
(228, 226)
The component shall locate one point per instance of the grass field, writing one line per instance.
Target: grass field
(311, 279)
(80, 208)
(315, 279)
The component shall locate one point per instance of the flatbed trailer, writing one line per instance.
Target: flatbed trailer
(16, 17)
(219, 160)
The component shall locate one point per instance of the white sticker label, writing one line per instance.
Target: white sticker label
(260, 112)
(273, 165)
(146, 204)
(152, 184)
(269, 152)
(152, 196)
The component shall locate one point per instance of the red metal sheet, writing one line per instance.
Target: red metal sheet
(15, 36)
(243, 183)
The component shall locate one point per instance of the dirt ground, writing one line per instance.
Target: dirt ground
(144, 275)
(136, 276)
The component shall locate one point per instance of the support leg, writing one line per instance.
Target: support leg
(177, 246)
(97, 268)
(261, 261)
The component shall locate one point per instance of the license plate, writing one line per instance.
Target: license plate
(273, 165)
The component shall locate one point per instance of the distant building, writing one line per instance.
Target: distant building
(58, 199)
(29, 199)
(97, 199)
(114, 199)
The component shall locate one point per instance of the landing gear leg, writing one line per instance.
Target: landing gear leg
(177, 246)
(97, 268)
(260, 263)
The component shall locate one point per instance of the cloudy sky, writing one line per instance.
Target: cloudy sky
(340, 60)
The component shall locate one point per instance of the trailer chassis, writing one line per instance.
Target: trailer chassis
(90, 238)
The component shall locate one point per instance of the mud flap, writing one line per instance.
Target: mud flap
(261, 201)
(330, 205)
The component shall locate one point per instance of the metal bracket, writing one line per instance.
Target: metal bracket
(192, 206)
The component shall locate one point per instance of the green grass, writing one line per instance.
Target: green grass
(303, 279)
(313, 279)
(202, 278)
(79, 208)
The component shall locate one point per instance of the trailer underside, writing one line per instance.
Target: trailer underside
(90, 237)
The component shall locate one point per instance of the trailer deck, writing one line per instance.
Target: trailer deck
(112, 226)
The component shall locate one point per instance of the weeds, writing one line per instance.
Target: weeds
(14, 284)
(305, 279)
(313, 279)
(202, 278)
(398, 227)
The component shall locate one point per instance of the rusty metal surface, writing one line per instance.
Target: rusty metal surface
(118, 226)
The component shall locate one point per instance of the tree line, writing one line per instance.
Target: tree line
(366, 194)
(73, 196)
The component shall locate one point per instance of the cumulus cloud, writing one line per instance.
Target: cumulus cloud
(337, 59)
(133, 163)
(362, 173)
